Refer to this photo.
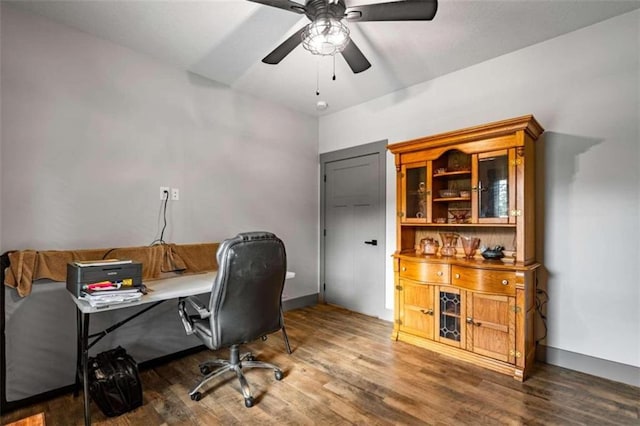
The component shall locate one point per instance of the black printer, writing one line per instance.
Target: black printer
(80, 275)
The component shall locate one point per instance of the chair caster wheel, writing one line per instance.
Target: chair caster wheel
(205, 370)
(248, 402)
(251, 358)
(196, 396)
(279, 375)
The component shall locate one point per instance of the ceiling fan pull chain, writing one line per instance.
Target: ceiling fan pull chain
(318, 77)
(334, 67)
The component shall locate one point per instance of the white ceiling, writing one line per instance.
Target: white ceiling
(225, 41)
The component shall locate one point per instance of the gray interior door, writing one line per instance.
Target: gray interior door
(354, 222)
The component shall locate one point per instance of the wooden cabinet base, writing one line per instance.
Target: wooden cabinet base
(463, 355)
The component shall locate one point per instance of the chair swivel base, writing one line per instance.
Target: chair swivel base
(234, 363)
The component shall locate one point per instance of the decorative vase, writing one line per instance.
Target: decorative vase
(470, 245)
(449, 242)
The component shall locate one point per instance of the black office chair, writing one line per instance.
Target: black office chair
(245, 304)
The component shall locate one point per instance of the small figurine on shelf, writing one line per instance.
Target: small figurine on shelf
(494, 253)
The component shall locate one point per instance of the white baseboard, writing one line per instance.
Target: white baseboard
(611, 370)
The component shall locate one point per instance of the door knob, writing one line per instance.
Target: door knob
(372, 242)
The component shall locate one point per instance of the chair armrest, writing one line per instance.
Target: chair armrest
(187, 320)
(199, 307)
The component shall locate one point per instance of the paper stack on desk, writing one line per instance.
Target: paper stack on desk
(103, 294)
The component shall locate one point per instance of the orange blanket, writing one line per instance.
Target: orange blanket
(30, 265)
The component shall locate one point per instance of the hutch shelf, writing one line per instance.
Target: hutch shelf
(478, 183)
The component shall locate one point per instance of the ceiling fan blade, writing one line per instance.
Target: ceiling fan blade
(285, 48)
(282, 4)
(354, 57)
(408, 10)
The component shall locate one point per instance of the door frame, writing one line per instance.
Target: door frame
(379, 148)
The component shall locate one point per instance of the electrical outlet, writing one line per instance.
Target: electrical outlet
(164, 192)
(175, 194)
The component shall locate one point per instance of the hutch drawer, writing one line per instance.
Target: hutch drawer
(485, 280)
(426, 272)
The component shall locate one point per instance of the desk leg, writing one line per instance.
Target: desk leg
(76, 387)
(85, 368)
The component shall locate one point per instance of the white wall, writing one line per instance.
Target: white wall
(91, 130)
(583, 87)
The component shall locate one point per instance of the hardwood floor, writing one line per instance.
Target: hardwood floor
(345, 369)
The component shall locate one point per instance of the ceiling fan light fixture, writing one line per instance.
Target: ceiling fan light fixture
(325, 36)
(322, 105)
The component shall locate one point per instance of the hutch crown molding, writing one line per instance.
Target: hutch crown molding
(474, 183)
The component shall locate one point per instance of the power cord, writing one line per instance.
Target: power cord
(104, 256)
(542, 297)
(164, 218)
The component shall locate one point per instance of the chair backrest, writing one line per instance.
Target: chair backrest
(246, 297)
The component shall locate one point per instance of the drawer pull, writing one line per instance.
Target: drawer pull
(457, 276)
(427, 311)
(440, 273)
(505, 282)
(404, 268)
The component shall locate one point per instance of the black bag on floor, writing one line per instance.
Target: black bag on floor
(114, 383)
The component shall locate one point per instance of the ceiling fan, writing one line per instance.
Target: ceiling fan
(327, 34)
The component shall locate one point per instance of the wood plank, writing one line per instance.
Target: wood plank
(35, 420)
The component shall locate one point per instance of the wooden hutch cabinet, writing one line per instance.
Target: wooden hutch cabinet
(478, 183)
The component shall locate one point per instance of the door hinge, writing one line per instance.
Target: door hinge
(324, 232)
(398, 287)
(325, 178)
(514, 353)
(324, 286)
(400, 214)
(398, 321)
(516, 162)
(516, 309)
(516, 212)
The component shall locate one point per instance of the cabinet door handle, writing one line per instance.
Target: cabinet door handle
(440, 273)
(372, 242)
(505, 282)
(427, 311)
(404, 268)
(471, 321)
(457, 276)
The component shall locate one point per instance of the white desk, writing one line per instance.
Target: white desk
(158, 291)
(164, 289)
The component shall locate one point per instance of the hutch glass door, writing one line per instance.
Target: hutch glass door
(495, 187)
(414, 193)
